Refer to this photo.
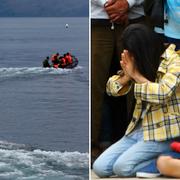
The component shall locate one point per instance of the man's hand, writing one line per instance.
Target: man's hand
(117, 10)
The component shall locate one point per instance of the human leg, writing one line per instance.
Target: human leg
(102, 50)
(118, 105)
(169, 166)
(151, 170)
(106, 125)
(114, 120)
(139, 156)
(103, 166)
(114, 108)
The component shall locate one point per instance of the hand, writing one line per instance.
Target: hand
(124, 78)
(128, 65)
(117, 10)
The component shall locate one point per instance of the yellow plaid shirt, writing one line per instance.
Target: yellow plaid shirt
(162, 113)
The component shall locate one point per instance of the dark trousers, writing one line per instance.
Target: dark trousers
(105, 45)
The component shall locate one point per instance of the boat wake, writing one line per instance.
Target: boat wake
(23, 71)
(18, 162)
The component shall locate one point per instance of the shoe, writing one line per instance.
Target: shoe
(147, 175)
(149, 171)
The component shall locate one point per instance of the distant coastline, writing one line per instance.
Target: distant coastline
(44, 8)
(44, 16)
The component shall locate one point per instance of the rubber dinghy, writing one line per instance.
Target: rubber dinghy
(73, 65)
(59, 65)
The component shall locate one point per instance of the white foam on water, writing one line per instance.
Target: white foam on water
(69, 159)
(38, 164)
(20, 71)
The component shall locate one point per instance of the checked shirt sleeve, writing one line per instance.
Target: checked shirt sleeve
(163, 90)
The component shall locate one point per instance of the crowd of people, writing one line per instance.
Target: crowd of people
(58, 61)
(144, 95)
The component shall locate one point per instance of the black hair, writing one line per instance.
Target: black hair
(47, 57)
(146, 47)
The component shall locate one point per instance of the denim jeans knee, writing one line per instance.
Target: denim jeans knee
(123, 169)
(101, 170)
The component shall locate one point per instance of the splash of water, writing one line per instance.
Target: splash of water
(14, 72)
(19, 163)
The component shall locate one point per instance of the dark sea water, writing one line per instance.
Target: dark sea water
(43, 112)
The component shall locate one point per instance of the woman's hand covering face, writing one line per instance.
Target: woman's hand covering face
(129, 68)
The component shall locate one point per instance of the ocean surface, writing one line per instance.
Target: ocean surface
(44, 124)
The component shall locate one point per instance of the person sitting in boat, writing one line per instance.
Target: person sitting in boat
(55, 59)
(46, 62)
(63, 62)
(68, 57)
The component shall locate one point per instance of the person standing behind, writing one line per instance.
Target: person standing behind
(172, 27)
(108, 20)
(170, 30)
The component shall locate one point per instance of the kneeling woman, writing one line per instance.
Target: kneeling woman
(154, 73)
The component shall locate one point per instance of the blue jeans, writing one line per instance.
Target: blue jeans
(129, 155)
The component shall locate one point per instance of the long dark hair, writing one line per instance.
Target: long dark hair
(145, 46)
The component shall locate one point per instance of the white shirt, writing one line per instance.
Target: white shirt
(98, 12)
